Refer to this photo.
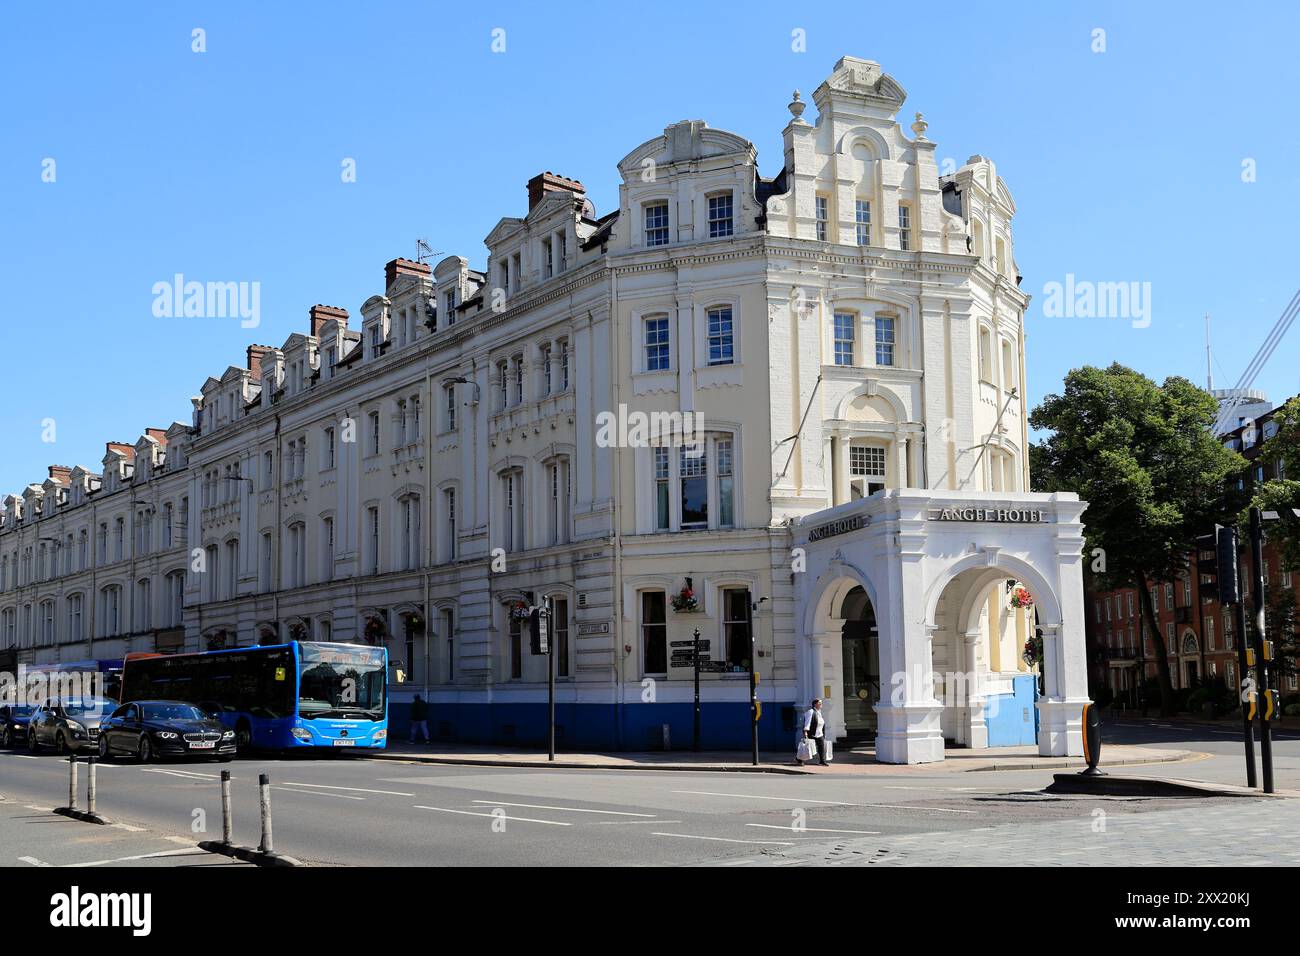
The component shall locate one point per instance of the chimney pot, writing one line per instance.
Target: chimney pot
(547, 182)
(255, 353)
(404, 267)
(320, 314)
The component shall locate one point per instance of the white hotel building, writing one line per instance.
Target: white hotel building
(850, 331)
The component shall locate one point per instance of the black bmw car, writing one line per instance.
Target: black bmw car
(13, 723)
(145, 729)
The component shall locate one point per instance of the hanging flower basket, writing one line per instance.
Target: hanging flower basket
(1034, 650)
(298, 631)
(684, 601)
(374, 630)
(1020, 597)
(519, 611)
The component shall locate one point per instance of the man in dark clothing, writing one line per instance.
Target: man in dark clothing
(419, 718)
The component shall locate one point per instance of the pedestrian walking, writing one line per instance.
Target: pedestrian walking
(419, 718)
(814, 735)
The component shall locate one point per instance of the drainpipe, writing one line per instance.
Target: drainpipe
(617, 515)
(279, 536)
(428, 532)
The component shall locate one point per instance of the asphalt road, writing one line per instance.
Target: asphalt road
(349, 810)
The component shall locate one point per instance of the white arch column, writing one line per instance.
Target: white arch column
(974, 729)
(908, 714)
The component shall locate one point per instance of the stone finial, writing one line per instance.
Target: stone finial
(920, 126)
(797, 106)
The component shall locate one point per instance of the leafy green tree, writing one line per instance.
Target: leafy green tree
(1145, 458)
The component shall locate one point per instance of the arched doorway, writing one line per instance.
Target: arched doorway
(861, 665)
(1191, 659)
(982, 658)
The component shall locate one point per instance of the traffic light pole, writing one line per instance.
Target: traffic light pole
(1261, 667)
(1243, 668)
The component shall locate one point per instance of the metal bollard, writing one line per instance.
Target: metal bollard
(90, 785)
(264, 785)
(227, 825)
(72, 781)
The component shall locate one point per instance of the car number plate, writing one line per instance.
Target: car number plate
(341, 742)
(202, 744)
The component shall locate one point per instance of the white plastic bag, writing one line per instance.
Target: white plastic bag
(807, 749)
(830, 749)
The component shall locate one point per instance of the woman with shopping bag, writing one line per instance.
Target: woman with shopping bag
(814, 735)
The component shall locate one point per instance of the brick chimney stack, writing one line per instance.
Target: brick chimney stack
(404, 267)
(61, 474)
(255, 353)
(320, 314)
(548, 182)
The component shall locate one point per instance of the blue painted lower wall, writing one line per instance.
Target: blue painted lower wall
(631, 727)
(1011, 718)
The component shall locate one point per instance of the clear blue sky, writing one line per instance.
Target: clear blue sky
(225, 165)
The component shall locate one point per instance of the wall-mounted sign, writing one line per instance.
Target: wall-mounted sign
(1000, 515)
(843, 526)
(585, 630)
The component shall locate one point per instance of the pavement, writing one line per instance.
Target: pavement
(32, 834)
(858, 761)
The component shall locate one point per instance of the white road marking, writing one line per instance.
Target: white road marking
(691, 836)
(189, 851)
(395, 793)
(619, 823)
(318, 793)
(969, 789)
(24, 756)
(891, 806)
(538, 806)
(790, 829)
(751, 796)
(41, 809)
(127, 827)
(179, 839)
(32, 860)
(498, 816)
(187, 774)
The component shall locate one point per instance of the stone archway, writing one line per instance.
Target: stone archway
(844, 610)
(978, 639)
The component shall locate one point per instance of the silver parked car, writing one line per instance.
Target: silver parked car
(68, 724)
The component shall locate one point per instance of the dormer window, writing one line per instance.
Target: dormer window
(374, 340)
(656, 224)
(449, 302)
(720, 222)
(548, 262)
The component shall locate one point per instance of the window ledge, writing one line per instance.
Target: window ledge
(646, 383)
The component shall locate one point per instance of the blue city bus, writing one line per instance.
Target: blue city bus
(276, 697)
